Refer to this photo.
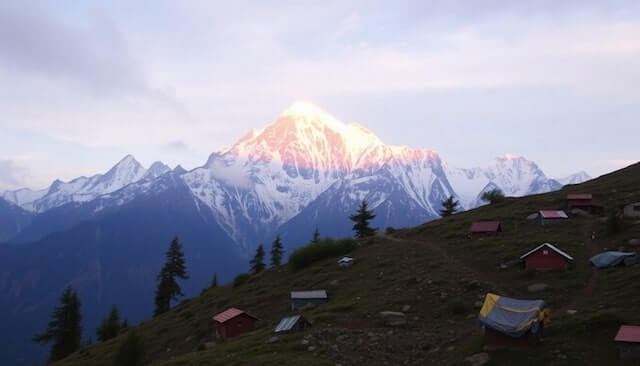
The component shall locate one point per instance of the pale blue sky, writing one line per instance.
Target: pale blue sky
(84, 83)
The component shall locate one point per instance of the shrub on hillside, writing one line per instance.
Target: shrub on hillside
(325, 248)
(241, 279)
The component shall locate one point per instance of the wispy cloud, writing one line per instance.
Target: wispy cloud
(11, 175)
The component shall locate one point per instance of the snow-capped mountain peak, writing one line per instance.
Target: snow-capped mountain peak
(576, 178)
(513, 175)
(156, 169)
(128, 170)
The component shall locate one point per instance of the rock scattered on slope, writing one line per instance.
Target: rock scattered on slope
(537, 287)
(478, 359)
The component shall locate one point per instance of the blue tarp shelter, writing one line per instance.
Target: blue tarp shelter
(512, 317)
(610, 259)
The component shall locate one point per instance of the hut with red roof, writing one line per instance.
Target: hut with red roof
(545, 257)
(584, 201)
(485, 228)
(579, 200)
(628, 342)
(233, 322)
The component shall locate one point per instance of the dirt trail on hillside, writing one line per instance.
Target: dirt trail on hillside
(436, 246)
(587, 292)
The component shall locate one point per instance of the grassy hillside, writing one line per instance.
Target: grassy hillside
(436, 276)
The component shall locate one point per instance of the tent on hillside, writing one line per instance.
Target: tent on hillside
(512, 322)
(611, 259)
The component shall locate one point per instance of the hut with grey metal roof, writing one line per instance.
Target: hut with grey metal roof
(301, 299)
(290, 324)
(345, 261)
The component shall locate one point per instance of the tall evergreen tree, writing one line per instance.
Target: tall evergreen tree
(110, 326)
(214, 280)
(316, 236)
(361, 221)
(257, 263)
(277, 251)
(64, 328)
(131, 350)
(449, 207)
(168, 288)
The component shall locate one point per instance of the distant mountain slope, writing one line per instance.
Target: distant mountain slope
(113, 259)
(13, 219)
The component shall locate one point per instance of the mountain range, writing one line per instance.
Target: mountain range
(106, 234)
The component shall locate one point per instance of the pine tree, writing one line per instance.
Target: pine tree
(277, 251)
(493, 196)
(361, 221)
(214, 281)
(131, 350)
(316, 236)
(257, 263)
(449, 207)
(168, 288)
(110, 326)
(64, 328)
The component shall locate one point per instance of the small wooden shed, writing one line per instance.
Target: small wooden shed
(584, 202)
(481, 229)
(628, 342)
(579, 200)
(233, 322)
(632, 210)
(551, 216)
(301, 299)
(291, 324)
(546, 257)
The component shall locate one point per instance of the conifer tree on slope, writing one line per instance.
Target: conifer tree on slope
(64, 328)
(214, 281)
(257, 263)
(316, 236)
(361, 221)
(168, 289)
(277, 251)
(110, 326)
(449, 207)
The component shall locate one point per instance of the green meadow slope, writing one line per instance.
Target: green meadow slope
(436, 277)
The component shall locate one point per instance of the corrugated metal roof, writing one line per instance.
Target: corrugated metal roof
(580, 196)
(316, 294)
(550, 246)
(553, 214)
(229, 314)
(485, 226)
(628, 333)
(286, 324)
